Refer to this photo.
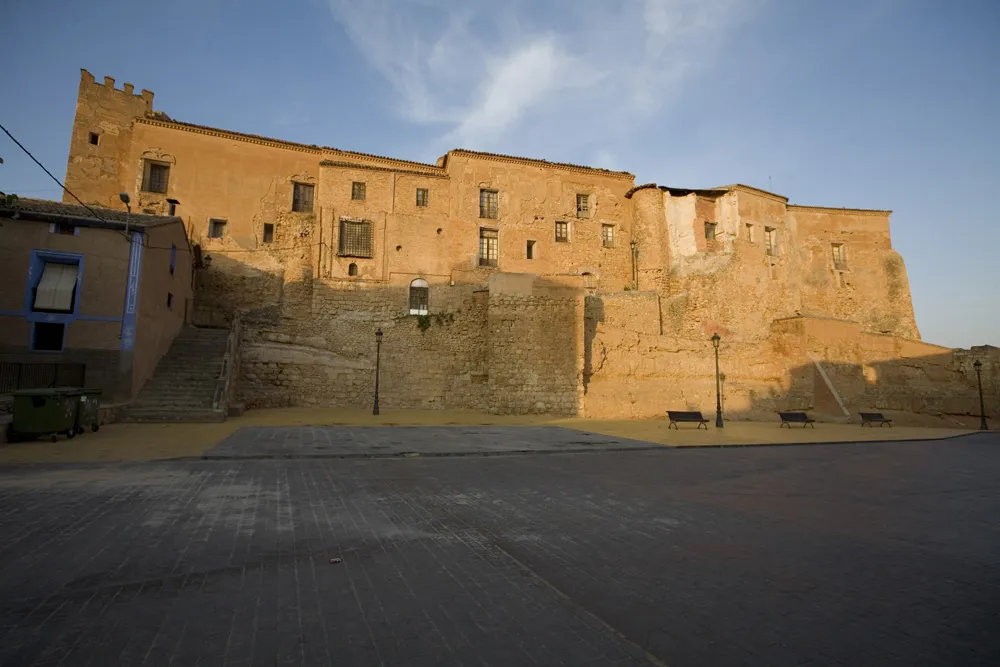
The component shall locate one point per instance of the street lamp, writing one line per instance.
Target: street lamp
(978, 365)
(378, 355)
(718, 382)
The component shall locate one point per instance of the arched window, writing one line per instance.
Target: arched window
(352, 269)
(419, 293)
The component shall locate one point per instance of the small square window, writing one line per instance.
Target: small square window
(562, 232)
(489, 204)
(216, 228)
(93, 138)
(302, 197)
(268, 232)
(421, 196)
(48, 336)
(583, 206)
(529, 251)
(357, 191)
(155, 176)
(170, 300)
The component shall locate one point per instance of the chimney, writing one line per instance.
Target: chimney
(173, 206)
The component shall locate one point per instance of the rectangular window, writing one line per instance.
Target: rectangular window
(93, 138)
(583, 206)
(357, 191)
(173, 257)
(489, 204)
(419, 300)
(63, 229)
(421, 196)
(608, 236)
(355, 238)
(216, 228)
(749, 231)
(529, 251)
(155, 176)
(839, 256)
(489, 247)
(170, 300)
(710, 231)
(302, 197)
(48, 336)
(562, 231)
(56, 291)
(770, 241)
(268, 232)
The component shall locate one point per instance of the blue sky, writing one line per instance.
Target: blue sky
(872, 104)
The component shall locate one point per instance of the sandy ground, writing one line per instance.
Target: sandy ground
(139, 442)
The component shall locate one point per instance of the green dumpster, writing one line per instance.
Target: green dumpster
(88, 414)
(45, 412)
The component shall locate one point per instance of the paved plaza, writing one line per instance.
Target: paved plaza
(570, 548)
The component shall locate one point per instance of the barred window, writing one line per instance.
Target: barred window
(355, 238)
(155, 176)
(357, 191)
(421, 196)
(419, 296)
(583, 206)
(489, 247)
(562, 231)
(302, 198)
(489, 204)
(608, 236)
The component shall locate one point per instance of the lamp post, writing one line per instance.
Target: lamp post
(978, 365)
(718, 383)
(378, 356)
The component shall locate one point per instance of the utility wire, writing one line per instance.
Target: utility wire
(96, 215)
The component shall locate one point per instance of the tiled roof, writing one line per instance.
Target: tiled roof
(835, 209)
(31, 209)
(542, 163)
(439, 173)
(280, 143)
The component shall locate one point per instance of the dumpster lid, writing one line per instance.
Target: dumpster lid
(36, 392)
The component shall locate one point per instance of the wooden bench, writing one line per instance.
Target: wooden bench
(789, 418)
(872, 418)
(677, 416)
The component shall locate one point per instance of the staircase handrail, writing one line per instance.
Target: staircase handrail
(230, 366)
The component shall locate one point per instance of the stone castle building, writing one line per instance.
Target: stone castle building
(517, 285)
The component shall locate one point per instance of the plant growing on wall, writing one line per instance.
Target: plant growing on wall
(423, 322)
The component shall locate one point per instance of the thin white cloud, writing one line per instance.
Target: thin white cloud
(559, 70)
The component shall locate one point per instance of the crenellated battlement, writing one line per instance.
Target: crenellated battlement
(109, 84)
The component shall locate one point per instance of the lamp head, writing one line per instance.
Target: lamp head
(124, 197)
(978, 364)
(378, 335)
(716, 339)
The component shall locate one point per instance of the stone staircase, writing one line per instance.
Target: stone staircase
(183, 386)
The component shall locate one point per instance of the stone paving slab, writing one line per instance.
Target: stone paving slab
(826, 555)
(389, 441)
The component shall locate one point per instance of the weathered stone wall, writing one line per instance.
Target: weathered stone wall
(322, 352)
(535, 339)
(95, 172)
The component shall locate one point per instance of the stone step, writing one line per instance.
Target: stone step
(168, 415)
